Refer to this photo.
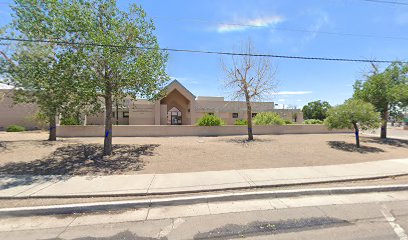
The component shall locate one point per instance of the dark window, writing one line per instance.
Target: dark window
(113, 114)
(210, 113)
(234, 115)
(254, 114)
(125, 114)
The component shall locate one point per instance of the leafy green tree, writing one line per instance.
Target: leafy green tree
(41, 76)
(316, 110)
(42, 73)
(114, 52)
(353, 114)
(387, 91)
(129, 63)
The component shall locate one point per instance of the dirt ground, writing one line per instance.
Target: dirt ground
(29, 152)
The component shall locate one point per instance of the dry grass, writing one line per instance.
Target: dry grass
(28, 151)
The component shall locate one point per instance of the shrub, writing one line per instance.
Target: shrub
(15, 128)
(313, 121)
(241, 122)
(69, 121)
(268, 118)
(288, 121)
(210, 120)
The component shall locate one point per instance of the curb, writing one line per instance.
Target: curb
(151, 203)
(206, 191)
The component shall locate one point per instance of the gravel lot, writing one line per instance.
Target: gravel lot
(28, 153)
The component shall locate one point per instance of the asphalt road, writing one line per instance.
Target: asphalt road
(354, 216)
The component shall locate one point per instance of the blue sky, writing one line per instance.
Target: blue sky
(199, 25)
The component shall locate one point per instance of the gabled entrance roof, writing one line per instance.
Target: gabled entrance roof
(183, 90)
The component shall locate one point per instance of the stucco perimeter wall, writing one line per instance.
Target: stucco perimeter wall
(163, 131)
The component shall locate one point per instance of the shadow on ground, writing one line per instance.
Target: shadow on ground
(84, 159)
(3, 146)
(244, 141)
(351, 147)
(388, 141)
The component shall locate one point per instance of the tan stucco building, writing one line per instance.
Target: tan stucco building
(181, 107)
(178, 107)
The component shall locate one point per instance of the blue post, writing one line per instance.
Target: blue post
(107, 133)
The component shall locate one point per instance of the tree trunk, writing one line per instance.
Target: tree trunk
(107, 144)
(384, 123)
(249, 118)
(117, 113)
(53, 129)
(357, 135)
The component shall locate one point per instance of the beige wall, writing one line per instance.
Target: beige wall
(19, 114)
(95, 119)
(157, 130)
(288, 114)
(142, 114)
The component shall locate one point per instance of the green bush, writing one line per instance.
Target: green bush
(69, 121)
(15, 128)
(241, 122)
(268, 118)
(210, 120)
(313, 121)
(288, 121)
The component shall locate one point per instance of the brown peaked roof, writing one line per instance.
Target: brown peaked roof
(178, 83)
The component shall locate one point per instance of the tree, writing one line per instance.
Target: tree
(116, 52)
(251, 78)
(316, 110)
(387, 91)
(353, 114)
(129, 62)
(42, 73)
(37, 74)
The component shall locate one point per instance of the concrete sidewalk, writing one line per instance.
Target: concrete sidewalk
(148, 184)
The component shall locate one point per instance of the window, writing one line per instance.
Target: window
(234, 115)
(125, 114)
(210, 113)
(254, 114)
(113, 114)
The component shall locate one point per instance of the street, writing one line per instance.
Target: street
(381, 215)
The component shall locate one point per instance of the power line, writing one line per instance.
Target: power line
(199, 51)
(387, 2)
(281, 28)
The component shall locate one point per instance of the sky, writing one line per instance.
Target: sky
(281, 27)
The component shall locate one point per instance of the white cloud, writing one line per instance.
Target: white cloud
(320, 19)
(293, 92)
(244, 24)
(281, 100)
